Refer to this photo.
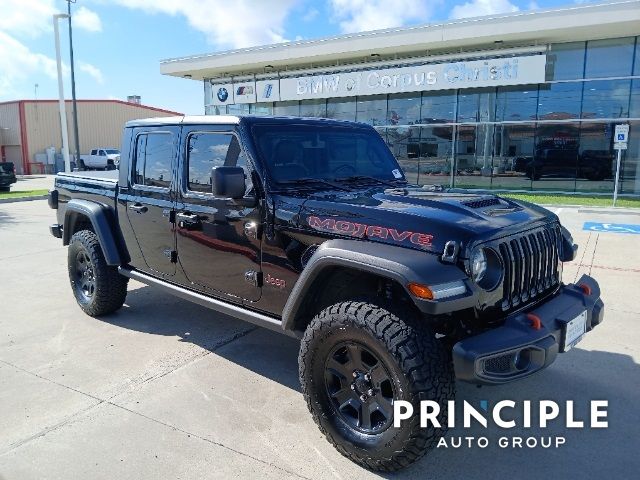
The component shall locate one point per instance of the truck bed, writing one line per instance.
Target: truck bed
(106, 176)
(101, 187)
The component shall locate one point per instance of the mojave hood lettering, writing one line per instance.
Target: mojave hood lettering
(360, 230)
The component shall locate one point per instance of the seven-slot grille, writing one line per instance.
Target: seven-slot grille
(530, 264)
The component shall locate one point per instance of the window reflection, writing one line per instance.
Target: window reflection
(313, 108)
(555, 158)
(606, 99)
(609, 58)
(404, 109)
(286, 109)
(517, 103)
(341, 108)
(596, 157)
(565, 61)
(560, 101)
(514, 153)
(372, 109)
(438, 107)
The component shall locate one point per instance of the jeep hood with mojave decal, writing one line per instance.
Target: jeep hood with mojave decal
(418, 218)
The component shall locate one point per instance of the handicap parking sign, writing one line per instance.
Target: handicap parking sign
(612, 227)
(621, 137)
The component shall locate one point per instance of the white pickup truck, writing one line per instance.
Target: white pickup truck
(102, 158)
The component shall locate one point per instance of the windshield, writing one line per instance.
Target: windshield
(329, 153)
(112, 151)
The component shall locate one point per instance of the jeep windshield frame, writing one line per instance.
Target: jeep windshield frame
(327, 152)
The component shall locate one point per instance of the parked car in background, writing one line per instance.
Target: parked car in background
(7, 176)
(100, 158)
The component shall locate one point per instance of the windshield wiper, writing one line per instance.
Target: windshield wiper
(309, 181)
(358, 178)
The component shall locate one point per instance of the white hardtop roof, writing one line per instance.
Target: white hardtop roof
(486, 34)
(186, 120)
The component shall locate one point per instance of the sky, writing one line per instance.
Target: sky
(118, 44)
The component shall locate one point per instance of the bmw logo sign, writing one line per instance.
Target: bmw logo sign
(223, 94)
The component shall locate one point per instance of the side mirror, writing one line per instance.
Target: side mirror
(228, 182)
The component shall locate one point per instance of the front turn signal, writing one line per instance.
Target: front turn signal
(420, 291)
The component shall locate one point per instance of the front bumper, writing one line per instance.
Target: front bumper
(529, 341)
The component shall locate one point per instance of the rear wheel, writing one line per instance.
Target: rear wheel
(99, 288)
(356, 359)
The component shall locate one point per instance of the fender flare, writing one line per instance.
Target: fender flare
(398, 264)
(105, 225)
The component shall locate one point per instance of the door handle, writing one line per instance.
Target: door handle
(139, 208)
(187, 220)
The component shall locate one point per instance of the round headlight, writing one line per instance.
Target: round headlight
(478, 265)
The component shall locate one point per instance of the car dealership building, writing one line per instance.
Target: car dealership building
(524, 101)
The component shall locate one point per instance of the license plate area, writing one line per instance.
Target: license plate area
(573, 331)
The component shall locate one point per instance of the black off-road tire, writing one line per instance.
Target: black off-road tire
(109, 289)
(418, 365)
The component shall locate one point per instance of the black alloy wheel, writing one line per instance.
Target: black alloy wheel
(98, 288)
(85, 276)
(357, 359)
(360, 387)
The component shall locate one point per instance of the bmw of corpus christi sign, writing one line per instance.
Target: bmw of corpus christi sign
(417, 78)
(476, 73)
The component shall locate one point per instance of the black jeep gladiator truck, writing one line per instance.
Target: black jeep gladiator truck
(309, 227)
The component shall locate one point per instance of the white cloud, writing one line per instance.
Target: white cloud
(478, 8)
(364, 15)
(238, 24)
(86, 19)
(92, 71)
(20, 63)
(26, 17)
(310, 15)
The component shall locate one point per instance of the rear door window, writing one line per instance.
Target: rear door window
(153, 155)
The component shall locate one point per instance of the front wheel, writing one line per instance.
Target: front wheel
(356, 359)
(99, 288)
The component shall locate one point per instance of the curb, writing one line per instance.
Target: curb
(23, 199)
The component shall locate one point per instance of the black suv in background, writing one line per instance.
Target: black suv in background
(7, 176)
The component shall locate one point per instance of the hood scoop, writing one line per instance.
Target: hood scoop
(482, 203)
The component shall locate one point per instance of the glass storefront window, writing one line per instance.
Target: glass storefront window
(609, 58)
(634, 104)
(606, 99)
(636, 62)
(290, 108)
(261, 109)
(516, 103)
(372, 109)
(476, 105)
(559, 101)
(630, 168)
(555, 159)
(404, 143)
(341, 108)
(514, 151)
(436, 155)
(595, 158)
(238, 109)
(404, 109)
(565, 61)
(438, 107)
(313, 108)
(473, 157)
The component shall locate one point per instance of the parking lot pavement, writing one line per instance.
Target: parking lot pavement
(33, 182)
(167, 389)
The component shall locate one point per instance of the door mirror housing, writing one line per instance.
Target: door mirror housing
(228, 182)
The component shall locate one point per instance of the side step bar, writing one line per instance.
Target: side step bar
(230, 309)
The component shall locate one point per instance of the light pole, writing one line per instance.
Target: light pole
(63, 110)
(73, 86)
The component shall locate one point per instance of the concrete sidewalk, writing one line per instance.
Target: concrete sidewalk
(167, 389)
